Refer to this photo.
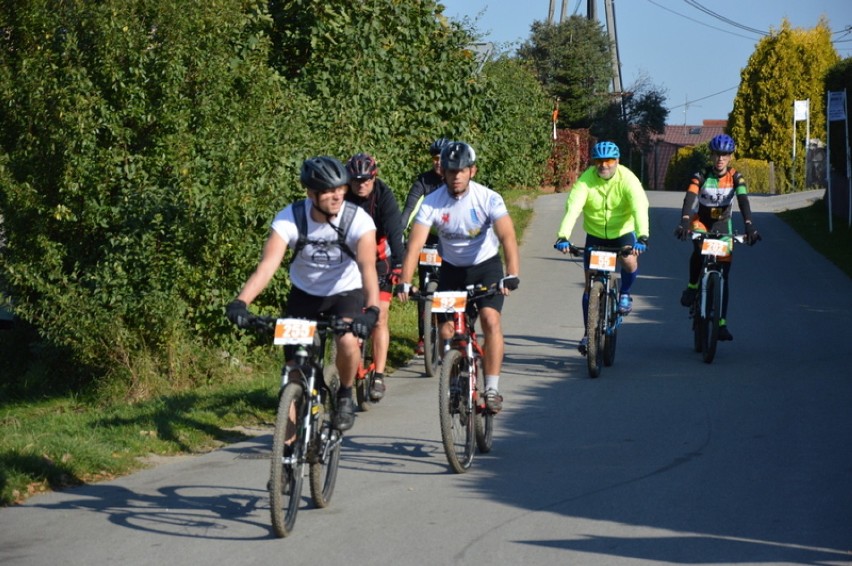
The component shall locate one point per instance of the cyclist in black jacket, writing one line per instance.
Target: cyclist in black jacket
(373, 195)
(423, 185)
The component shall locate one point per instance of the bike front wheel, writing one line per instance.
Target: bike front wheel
(431, 335)
(285, 478)
(483, 419)
(456, 411)
(595, 328)
(365, 383)
(712, 317)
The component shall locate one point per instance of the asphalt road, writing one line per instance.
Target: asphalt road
(663, 459)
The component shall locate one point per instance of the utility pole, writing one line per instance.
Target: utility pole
(591, 10)
(609, 7)
(550, 12)
(564, 11)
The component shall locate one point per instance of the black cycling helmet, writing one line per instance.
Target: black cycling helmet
(362, 166)
(438, 145)
(723, 144)
(457, 155)
(323, 173)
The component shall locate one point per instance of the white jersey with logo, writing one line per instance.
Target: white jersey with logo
(465, 225)
(322, 269)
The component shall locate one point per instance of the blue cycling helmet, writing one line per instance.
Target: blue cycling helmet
(723, 144)
(605, 150)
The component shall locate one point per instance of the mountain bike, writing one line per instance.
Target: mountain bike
(466, 423)
(604, 318)
(304, 436)
(430, 263)
(706, 309)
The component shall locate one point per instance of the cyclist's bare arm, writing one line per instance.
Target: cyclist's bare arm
(366, 258)
(416, 241)
(270, 260)
(505, 230)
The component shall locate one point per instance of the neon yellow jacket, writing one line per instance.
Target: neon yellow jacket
(611, 208)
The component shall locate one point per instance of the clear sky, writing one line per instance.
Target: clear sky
(694, 56)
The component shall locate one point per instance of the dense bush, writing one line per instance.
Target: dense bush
(144, 148)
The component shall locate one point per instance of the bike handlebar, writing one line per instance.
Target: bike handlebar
(266, 323)
(476, 291)
(577, 250)
(701, 235)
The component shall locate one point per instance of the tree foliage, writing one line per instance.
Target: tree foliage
(788, 65)
(838, 78)
(572, 61)
(635, 121)
(145, 147)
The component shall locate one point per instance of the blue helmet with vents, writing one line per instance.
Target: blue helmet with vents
(605, 150)
(723, 144)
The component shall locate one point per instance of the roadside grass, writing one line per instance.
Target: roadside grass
(811, 223)
(69, 440)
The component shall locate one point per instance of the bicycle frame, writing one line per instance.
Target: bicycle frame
(465, 421)
(303, 434)
(604, 319)
(706, 310)
(430, 262)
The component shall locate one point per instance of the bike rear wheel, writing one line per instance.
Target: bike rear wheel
(456, 411)
(712, 316)
(484, 419)
(365, 383)
(285, 479)
(431, 335)
(611, 330)
(324, 462)
(594, 330)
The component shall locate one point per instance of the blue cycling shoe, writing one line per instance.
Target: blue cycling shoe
(625, 304)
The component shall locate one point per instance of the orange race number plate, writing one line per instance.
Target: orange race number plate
(449, 301)
(294, 331)
(602, 261)
(430, 256)
(718, 248)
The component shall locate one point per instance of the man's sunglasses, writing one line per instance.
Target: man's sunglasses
(605, 162)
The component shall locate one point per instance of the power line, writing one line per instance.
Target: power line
(695, 4)
(689, 103)
(728, 31)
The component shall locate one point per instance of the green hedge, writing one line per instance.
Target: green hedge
(145, 147)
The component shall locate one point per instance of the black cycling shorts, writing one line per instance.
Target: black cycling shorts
(622, 241)
(348, 304)
(490, 271)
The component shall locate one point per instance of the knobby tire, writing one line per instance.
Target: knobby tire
(363, 385)
(713, 314)
(431, 335)
(484, 419)
(285, 480)
(594, 330)
(323, 471)
(455, 411)
(611, 334)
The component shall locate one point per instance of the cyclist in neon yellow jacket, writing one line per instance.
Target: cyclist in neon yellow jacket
(615, 214)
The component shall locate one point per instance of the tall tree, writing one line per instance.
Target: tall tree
(788, 65)
(572, 60)
(634, 122)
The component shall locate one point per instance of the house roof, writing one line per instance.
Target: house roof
(693, 135)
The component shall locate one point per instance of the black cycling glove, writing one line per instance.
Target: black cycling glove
(237, 312)
(363, 324)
